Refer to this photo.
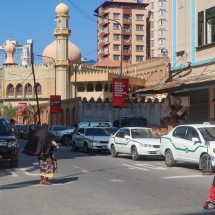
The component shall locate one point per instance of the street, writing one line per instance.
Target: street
(100, 184)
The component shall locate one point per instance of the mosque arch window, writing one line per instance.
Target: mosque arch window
(10, 90)
(81, 87)
(28, 89)
(39, 89)
(152, 76)
(106, 87)
(161, 74)
(98, 87)
(156, 75)
(90, 87)
(19, 90)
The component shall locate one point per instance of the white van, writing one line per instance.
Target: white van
(194, 143)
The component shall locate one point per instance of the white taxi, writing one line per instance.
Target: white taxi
(136, 141)
(193, 143)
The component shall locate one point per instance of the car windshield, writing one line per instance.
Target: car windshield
(95, 132)
(144, 133)
(59, 128)
(4, 129)
(208, 133)
(111, 130)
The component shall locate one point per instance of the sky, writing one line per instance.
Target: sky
(28, 19)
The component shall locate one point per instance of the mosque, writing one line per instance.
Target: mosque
(61, 74)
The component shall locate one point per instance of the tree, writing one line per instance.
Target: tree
(31, 114)
(8, 110)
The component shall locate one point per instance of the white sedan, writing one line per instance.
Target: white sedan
(136, 141)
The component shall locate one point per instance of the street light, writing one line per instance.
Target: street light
(54, 67)
(121, 55)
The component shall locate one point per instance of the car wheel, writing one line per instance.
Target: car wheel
(134, 154)
(86, 148)
(66, 140)
(113, 152)
(205, 163)
(169, 159)
(74, 147)
(14, 163)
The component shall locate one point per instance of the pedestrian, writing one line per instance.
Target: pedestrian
(211, 198)
(13, 127)
(41, 145)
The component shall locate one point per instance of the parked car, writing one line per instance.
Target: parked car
(28, 127)
(193, 143)
(20, 130)
(65, 136)
(55, 130)
(111, 130)
(95, 123)
(135, 141)
(9, 147)
(134, 121)
(90, 139)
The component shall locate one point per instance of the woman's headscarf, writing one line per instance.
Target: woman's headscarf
(39, 143)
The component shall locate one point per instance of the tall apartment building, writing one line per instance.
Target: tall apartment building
(126, 18)
(157, 41)
(22, 56)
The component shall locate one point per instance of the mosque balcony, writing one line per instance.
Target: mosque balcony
(59, 32)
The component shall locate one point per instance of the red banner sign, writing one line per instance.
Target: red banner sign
(120, 92)
(55, 104)
(22, 106)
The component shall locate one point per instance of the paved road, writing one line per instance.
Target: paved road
(100, 184)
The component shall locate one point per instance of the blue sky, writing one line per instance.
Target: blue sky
(24, 19)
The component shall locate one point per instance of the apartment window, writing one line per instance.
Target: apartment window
(162, 22)
(210, 25)
(116, 16)
(116, 57)
(161, 12)
(139, 58)
(201, 28)
(139, 17)
(139, 37)
(152, 34)
(139, 48)
(139, 27)
(161, 3)
(116, 26)
(116, 47)
(116, 36)
(161, 41)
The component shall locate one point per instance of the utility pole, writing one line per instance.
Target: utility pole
(35, 85)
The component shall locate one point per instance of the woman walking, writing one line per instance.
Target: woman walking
(41, 145)
(211, 198)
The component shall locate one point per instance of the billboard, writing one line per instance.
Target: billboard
(55, 104)
(120, 92)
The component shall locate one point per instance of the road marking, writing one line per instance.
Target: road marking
(117, 180)
(26, 172)
(84, 170)
(184, 176)
(134, 167)
(151, 166)
(13, 174)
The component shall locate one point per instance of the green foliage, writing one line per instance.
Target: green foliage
(8, 110)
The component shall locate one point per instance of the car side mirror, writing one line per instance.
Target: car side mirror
(127, 137)
(195, 140)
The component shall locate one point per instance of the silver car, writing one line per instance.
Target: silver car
(90, 139)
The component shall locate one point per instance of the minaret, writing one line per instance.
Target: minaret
(10, 49)
(62, 34)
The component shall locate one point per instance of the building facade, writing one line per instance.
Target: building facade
(157, 41)
(125, 18)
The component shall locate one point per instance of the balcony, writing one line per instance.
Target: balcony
(103, 13)
(103, 33)
(126, 32)
(127, 21)
(127, 43)
(103, 54)
(103, 44)
(127, 11)
(127, 53)
(104, 23)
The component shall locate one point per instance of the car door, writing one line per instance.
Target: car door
(78, 137)
(126, 147)
(120, 140)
